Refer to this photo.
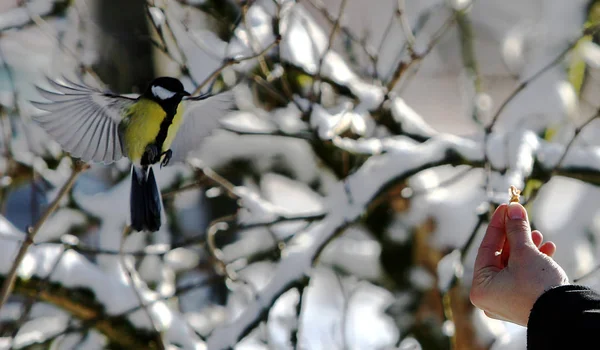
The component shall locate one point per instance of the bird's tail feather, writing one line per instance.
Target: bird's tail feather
(145, 201)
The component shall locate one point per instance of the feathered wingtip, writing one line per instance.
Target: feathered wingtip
(65, 91)
(225, 98)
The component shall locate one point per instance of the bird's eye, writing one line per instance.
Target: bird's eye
(162, 93)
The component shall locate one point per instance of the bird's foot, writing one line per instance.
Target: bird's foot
(151, 155)
(168, 154)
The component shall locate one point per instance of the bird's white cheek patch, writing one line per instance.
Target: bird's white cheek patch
(162, 93)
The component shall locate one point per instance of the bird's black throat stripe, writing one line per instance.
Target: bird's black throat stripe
(160, 138)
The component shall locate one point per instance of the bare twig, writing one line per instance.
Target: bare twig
(214, 227)
(164, 46)
(131, 280)
(469, 59)
(447, 182)
(320, 6)
(553, 171)
(273, 92)
(254, 45)
(587, 274)
(9, 281)
(317, 77)
(48, 30)
(5, 122)
(406, 29)
(28, 304)
(374, 57)
(524, 84)
(230, 62)
(403, 66)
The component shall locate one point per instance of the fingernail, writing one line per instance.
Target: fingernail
(516, 211)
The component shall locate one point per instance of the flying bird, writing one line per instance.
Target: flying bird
(162, 125)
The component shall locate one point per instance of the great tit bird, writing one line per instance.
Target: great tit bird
(98, 126)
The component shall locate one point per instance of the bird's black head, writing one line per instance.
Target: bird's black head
(167, 92)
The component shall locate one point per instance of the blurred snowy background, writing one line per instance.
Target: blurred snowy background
(341, 202)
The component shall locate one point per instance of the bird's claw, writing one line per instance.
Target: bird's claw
(168, 154)
(151, 155)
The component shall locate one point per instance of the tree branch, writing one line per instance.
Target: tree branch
(9, 281)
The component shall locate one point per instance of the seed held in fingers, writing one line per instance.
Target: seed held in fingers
(514, 194)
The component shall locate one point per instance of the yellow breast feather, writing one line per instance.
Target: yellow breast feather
(141, 125)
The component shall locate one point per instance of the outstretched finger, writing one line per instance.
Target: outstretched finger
(537, 238)
(493, 241)
(548, 248)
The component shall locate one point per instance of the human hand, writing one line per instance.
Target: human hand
(505, 286)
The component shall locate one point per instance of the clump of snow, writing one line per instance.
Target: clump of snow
(40, 329)
(304, 44)
(339, 306)
(411, 122)
(247, 122)
(158, 16)
(289, 119)
(254, 208)
(278, 190)
(283, 319)
(59, 223)
(449, 268)
(264, 151)
(460, 5)
(360, 146)
(590, 52)
(356, 253)
(180, 259)
(329, 124)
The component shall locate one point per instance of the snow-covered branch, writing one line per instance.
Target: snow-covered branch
(350, 198)
(102, 300)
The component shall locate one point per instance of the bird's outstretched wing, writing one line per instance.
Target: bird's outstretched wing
(84, 120)
(201, 118)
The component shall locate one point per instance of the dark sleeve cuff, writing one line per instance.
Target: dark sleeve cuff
(565, 317)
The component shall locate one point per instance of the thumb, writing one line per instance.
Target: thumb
(518, 231)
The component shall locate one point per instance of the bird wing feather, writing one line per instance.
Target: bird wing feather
(200, 119)
(84, 120)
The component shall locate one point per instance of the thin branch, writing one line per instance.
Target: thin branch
(5, 122)
(118, 329)
(214, 227)
(131, 281)
(164, 47)
(218, 180)
(28, 304)
(230, 62)
(317, 77)
(375, 56)
(587, 274)
(554, 170)
(525, 83)
(282, 218)
(403, 66)
(447, 182)
(406, 29)
(49, 32)
(320, 6)
(254, 45)
(23, 5)
(469, 59)
(264, 84)
(9, 281)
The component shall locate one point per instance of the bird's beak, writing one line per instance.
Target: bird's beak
(185, 93)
